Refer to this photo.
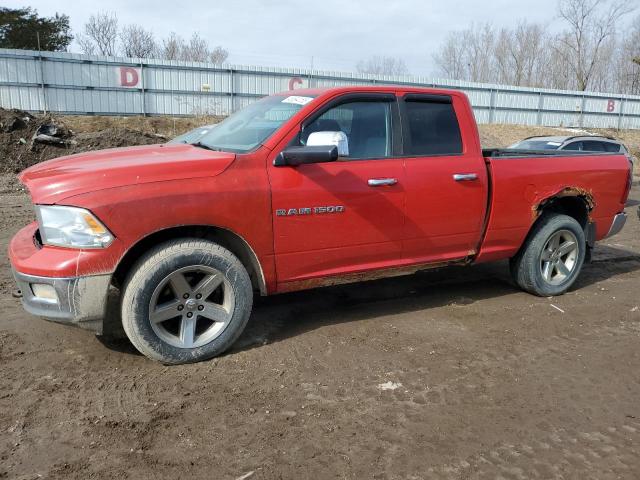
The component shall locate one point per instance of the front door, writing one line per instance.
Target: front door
(345, 216)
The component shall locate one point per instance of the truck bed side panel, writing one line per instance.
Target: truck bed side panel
(521, 184)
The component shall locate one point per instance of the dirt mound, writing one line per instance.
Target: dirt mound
(14, 119)
(26, 140)
(116, 137)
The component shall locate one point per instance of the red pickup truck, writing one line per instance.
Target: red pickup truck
(299, 190)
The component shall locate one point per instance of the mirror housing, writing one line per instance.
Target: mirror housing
(294, 156)
(339, 139)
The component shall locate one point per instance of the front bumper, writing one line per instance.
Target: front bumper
(78, 300)
(76, 282)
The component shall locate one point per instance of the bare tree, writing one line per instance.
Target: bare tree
(100, 34)
(518, 54)
(196, 50)
(590, 24)
(86, 44)
(382, 65)
(481, 41)
(137, 42)
(172, 47)
(450, 60)
(218, 55)
(469, 54)
(628, 61)
(558, 73)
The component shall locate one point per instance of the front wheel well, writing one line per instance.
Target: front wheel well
(223, 237)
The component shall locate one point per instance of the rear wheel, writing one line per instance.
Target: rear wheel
(551, 259)
(185, 301)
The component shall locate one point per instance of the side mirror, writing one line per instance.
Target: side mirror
(339, 139)
(294, 156)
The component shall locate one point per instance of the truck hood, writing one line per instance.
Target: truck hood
(52, 181)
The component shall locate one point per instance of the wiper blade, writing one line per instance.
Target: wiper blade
(206, 147)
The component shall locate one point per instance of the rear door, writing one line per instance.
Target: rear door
(344, 216)
(446, 179)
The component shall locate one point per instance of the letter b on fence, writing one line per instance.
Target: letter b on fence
(611, 106)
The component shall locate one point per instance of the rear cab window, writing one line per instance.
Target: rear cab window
(430, 126)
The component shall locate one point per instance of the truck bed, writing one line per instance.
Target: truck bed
(522, 181)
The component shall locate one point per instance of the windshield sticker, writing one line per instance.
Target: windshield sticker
(297, 100)
(555, 144)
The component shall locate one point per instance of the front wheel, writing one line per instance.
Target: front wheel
(186, 301)
(550, 260)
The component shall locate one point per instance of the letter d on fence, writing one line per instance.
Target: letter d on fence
(129, 77)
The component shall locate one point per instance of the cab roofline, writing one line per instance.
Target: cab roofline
(369, 88)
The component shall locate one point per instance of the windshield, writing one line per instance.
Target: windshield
(537, 145)
(246, 129)
(192, 135)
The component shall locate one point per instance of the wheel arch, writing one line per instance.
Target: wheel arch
(574, 202)
(571, 201)
(222, 236)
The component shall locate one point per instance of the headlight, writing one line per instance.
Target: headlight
(71, 227)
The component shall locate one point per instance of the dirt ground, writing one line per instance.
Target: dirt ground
(443, 374)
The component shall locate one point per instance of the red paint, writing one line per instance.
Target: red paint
(129, 77)
(611, 106)
(425, 219)
(293, 82)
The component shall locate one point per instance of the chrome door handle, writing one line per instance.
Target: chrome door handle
(464, 177)
(381, 182)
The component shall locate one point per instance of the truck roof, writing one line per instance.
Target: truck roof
(369, 88)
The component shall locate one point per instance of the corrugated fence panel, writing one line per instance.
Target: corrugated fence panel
(90, 84)
(631, 107)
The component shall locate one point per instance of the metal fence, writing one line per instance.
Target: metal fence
(94, 85)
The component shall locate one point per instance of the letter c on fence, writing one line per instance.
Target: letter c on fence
(293, 82)
(128, 77)
(611, 106)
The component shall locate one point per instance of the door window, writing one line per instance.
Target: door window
(366, 124)
(432, 129)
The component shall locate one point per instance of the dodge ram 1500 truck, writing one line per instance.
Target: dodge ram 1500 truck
(298, 190)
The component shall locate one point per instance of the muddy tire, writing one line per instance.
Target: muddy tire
(185, 301)
(552, 256)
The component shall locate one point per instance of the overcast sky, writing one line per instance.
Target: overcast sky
(289, 32)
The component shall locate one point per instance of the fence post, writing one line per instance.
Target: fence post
(621, 113)
(540, 107)
(142, 96)
(232, 98)
(492, 105)
(44, 93)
